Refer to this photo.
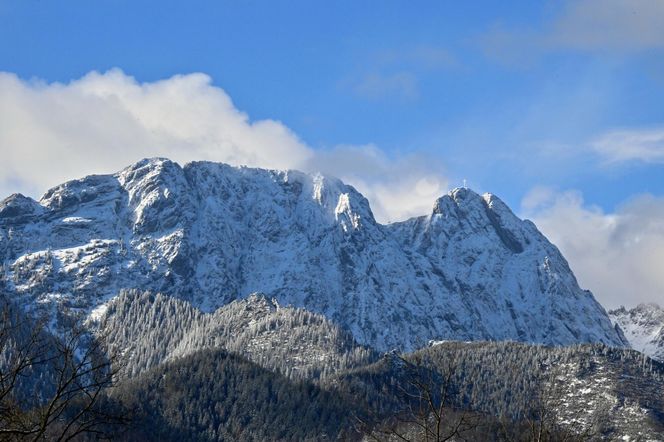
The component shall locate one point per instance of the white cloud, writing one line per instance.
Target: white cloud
(616, 255)
(646, 145)
(397, 188)
(50, 133)
(102, 122)
(612, 26)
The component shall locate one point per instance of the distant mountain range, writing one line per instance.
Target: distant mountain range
(643, 327)
(209, 233)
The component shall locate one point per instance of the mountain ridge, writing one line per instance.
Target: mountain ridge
(210, 233)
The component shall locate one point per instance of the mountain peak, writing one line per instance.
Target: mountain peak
(479, 212)
(146, 168)
(150, 162)
(455, 198)
(18, 205)
(460, 193)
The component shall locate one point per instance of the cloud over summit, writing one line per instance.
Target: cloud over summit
(53, 132)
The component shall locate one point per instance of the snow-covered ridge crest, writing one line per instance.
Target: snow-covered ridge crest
(210, 233)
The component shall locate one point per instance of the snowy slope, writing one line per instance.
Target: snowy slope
(210, 233)
(643, 327)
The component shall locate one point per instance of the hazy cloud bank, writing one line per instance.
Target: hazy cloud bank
(616, 255)
(644, 145)
(604, 26)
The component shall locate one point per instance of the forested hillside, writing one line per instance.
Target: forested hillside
(150, 329)
(495, 391)
(589, 389)
(472, 390)
(216, 395)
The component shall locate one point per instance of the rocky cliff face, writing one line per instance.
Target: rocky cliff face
(210, 233)
(643, 327)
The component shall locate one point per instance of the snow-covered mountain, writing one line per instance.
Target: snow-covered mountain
(643, 327)
(210, 233)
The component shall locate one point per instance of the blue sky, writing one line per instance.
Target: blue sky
(405, 77)
(553, 106)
